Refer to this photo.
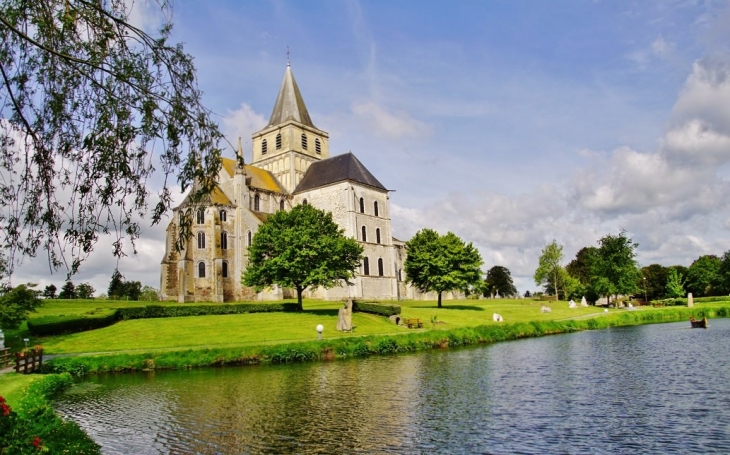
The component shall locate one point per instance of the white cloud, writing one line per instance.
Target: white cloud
(387, 123)
(241, 123)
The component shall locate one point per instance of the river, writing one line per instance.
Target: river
(647, 389)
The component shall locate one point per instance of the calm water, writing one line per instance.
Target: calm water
(649, 389)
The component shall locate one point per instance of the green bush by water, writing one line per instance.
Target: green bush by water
(33, 426)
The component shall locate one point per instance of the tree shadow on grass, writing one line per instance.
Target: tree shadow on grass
(453, 307)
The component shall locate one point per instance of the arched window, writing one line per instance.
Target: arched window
(224, 240)
(224, 269)
(380, 266)
(362, 205)
(256, 203)
(377, 235)
(364, 234)
(200, 219)
(223, 215)
(304, 141)
(304, 202)
(365, 266)
(278, 141)
(201, 240)
(375, 208)
(281, 204)
(318, 146)
(249, 238)
(263, 147)
(201, 269)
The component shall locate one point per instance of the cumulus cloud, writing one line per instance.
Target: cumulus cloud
(387, 123)
(241, 123)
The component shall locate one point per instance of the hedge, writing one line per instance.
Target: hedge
(375, 308)
(56, 325)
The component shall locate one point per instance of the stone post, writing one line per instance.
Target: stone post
(690, 300)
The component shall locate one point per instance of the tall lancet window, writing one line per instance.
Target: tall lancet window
(278, 141)
(380, 266)
(304, 141)
(318, 146)
(201, 240)
(377, 235)
(364, 234)
(362, 205)
(365, 266)
(224, 240)
(375, 208)
(263, 147)
(201, 269)
(256, 203)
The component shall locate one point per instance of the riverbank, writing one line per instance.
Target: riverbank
(435, 337)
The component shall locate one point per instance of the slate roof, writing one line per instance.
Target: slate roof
(289, 104)
(337, 169)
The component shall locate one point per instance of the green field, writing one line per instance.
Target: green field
(270, 328)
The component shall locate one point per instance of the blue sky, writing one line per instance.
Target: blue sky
(509, 123)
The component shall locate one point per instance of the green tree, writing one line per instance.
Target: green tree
(16, 303)
(582, 268)
(702, 276)
(302, 248)
(653, 281)
(81, 86)
(499, 279)
(50, 292)
(149, 294)
(616, 272)
(441, 263)
(549, 267)
(68, 291)
(675, 284)
(723, 275)
(85, 291)
(116, 290)
(132, 290)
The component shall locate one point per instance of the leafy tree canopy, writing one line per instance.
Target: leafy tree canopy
(68, 291)
(499, 279)
(121, 289)
(616, 271)
(723, 275)
(653, 282)
(50, 291)
(702, 276)
(549, 267)
(441, 263)
(299, 249)
(16, 303)
(89, 106)
(675, 284)
(149, 294)
(85, 291)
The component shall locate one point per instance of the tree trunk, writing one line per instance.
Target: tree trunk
(299, 298)
(439, 299)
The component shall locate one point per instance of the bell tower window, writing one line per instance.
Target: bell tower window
(304, 141)
(278, 141)
(263, 147)
(318, 146)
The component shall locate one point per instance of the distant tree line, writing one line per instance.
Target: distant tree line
(611, 269)
(119, 289)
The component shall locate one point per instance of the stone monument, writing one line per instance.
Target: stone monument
(344, 317)
(690, 300)
(583, 301)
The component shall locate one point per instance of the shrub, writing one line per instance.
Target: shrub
(35, 427)
(375, 308)
(55, 325)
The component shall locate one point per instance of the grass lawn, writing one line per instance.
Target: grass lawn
(272, 328)
(12, 385)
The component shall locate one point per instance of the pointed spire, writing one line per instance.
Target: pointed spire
(289, 104)
(239, 155)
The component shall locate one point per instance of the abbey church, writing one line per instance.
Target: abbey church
(291, 165)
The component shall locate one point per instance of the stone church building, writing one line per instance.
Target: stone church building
(291, 165)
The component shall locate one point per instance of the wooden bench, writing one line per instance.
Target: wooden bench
(414, 322)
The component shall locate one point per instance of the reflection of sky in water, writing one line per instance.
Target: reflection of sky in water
(609, 391)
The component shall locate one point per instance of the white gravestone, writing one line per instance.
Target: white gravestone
(690, 300)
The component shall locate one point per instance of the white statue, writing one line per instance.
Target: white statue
(344, 317)
(497, 317)
(572, 304)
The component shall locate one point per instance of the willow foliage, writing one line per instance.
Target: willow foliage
(90, 106)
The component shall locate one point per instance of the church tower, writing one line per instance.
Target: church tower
(290, 142)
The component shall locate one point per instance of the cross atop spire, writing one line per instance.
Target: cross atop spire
(288, 63)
